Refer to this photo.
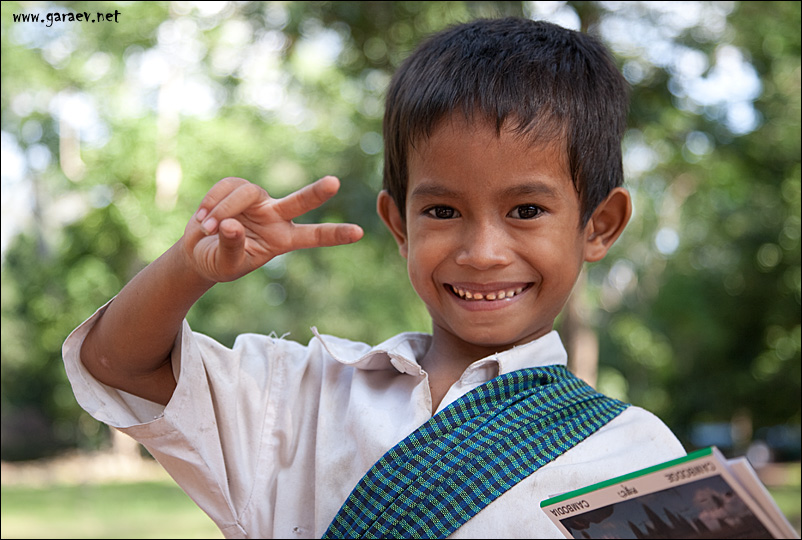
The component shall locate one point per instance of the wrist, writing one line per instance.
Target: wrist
(182, 263)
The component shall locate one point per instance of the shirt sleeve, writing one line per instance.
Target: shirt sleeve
(213, 437)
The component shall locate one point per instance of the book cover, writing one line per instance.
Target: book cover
(701, 495)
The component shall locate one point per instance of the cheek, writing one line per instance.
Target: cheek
(418, 265)
(555, 257)
(563, 263)
(422, 282)
(423, 258)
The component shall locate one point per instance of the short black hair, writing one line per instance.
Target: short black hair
(545, 82)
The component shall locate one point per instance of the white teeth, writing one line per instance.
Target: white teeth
(498, 295)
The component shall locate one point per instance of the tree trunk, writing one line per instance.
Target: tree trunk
(579, 337)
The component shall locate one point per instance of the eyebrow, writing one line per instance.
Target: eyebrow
(528, 188)
(432, 190)
(531, 188)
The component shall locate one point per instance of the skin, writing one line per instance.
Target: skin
(484, 214)
(237, 229)
(490, 215)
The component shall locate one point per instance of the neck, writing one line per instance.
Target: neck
(449, 356)
(447, 359)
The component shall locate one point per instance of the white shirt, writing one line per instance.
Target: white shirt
(270, 437)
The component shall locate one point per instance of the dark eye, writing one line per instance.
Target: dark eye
(442, 212)
(526, 211)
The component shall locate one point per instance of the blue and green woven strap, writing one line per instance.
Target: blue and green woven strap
(478, 447)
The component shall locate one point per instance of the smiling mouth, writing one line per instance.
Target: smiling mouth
(487, 296)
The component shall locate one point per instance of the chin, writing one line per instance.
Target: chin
(492, 341)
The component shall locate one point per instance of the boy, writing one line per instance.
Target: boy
(502, 177)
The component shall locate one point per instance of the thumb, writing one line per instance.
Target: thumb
(231, 247)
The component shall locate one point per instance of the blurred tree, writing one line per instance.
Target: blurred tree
(708, 326)
(112, 133)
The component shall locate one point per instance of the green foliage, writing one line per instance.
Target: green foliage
(723, 309)
(122, 128)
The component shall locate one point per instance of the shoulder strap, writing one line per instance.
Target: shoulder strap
(466, 456)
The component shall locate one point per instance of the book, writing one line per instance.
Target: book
(701, 495)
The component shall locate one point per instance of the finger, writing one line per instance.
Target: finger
(231, 247)
(193, 233)
(217, 193)
(232, 204)
(325, 234)
(307, 198)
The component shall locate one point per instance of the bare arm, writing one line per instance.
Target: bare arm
(237, 229)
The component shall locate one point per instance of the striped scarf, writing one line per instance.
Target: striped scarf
(466, 456)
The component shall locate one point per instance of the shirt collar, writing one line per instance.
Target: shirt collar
(401, 352)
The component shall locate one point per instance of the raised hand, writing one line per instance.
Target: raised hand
(239, 227)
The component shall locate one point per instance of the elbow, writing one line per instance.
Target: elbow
(96, 363)
(155, 384)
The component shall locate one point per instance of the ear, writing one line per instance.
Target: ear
(388, 211)
(607, 223)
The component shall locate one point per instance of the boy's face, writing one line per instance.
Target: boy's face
(492, 235)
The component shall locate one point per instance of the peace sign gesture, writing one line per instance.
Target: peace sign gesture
(239, 227)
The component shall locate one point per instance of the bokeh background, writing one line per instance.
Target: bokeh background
(113, 131)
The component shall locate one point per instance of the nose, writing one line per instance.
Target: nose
(484, 246)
